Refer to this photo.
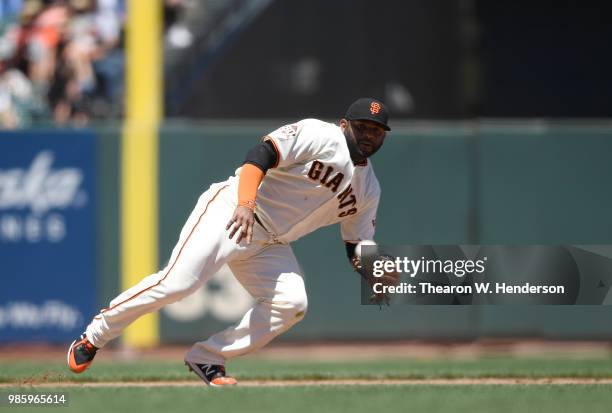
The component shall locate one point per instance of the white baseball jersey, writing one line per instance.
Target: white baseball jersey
(315, 184)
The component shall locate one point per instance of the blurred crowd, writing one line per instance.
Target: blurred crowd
(60, 60)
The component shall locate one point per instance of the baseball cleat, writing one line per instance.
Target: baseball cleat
(211, 374)
(80, 354)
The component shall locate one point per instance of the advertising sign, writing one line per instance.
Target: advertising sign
(47, 234)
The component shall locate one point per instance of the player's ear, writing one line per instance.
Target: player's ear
(343, 123)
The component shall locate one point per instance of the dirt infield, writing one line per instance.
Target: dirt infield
(422, 352)
(323, 351)
(336, 382)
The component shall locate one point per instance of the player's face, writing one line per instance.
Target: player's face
(368, 135)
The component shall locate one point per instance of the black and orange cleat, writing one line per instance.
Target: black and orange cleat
(211, 374)
(80, 354)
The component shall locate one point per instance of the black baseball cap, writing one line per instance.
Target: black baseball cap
(369, 109)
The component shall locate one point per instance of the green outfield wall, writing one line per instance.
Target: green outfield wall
(107, 209)
(443, 183)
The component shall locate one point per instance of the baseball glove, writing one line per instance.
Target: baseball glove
(391, 278)
(388, 279)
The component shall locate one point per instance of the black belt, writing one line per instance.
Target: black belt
(259, 222)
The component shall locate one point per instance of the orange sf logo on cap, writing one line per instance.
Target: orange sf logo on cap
(374, 108)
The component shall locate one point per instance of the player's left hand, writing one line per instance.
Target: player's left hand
(242, 223)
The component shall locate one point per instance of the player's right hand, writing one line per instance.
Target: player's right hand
(242, 223)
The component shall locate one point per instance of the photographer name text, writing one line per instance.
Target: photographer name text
(477, 288)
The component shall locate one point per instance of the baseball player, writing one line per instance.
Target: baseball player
(300, 177)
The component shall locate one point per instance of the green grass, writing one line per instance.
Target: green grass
(353, 399)
(252, 368)
(474, 399)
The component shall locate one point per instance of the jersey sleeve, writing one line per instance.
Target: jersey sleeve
(295, 143)
(362, 225)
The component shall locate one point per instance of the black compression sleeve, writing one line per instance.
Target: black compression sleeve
(355, 263)
(350, 250)
(262, 156)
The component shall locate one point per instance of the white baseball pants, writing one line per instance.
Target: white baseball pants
(268, 271)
